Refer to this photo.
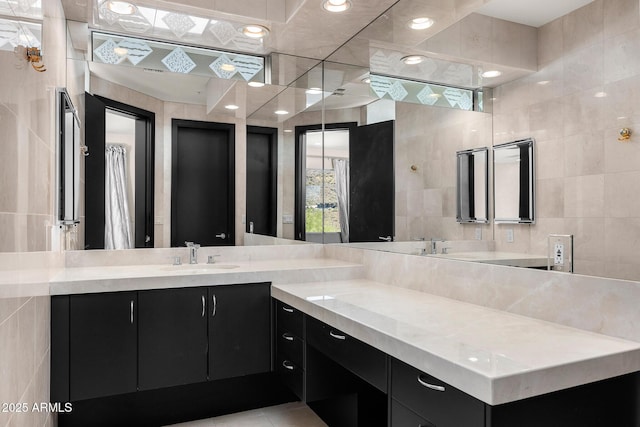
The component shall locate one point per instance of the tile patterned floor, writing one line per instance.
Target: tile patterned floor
(295, 414)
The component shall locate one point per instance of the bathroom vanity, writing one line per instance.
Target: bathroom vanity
(169, 345)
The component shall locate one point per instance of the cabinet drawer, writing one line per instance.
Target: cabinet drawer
(290, 346)
(363, 360)
(291, 374)
(403, 417)
(437, 402)
(289, 319)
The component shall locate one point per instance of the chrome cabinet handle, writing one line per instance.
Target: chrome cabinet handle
(203, 304)
(430, 386)
(287, 309)
(131, 312)
(221, 236)
(386, 239)
(287, 336)
(336, 336)
(288, 365)
(214, 302)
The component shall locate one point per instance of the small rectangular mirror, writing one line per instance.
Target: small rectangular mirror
(513, 181)
(472, 185)
(68, 162)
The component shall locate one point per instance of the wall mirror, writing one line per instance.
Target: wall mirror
(68, 160)
(513, 180)
(472, 189)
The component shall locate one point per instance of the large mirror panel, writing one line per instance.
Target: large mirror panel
(472, 185)
(514, 178)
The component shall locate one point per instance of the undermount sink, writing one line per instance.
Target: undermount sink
(199, 268)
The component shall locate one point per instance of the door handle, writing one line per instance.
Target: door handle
(131, 312)
(214, 302)
(221, 236)
(386, 239)
(203, 304)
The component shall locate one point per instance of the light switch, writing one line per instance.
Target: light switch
(478, 233)
(509, 235)
(287, 219)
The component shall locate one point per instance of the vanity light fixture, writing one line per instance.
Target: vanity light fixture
(231, 107)
(336, 5)
(313, 91)
(413, 59)
(255, 84)
(421, 23)
(491, 74)
(281, 112)
(120, 7)
(255, 31)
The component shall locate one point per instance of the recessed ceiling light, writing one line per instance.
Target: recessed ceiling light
(421, 23)
(231, 107)
(491, 74)
(255, 31)
(255, 84)
(281, 112)
(313, 91)
(120, 7)
(336, 5)
(413, 59)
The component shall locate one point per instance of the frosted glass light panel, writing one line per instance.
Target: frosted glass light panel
(513, 181)
(163, 56)
(472, 185)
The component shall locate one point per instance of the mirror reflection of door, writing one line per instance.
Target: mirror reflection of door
(322, 183)
(118, 175)
(262, 180)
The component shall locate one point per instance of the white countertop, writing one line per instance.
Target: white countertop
(499, 258)
(138, 277)
(492, 355)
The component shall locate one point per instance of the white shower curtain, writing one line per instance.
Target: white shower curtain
(117, 230)
(341, 172)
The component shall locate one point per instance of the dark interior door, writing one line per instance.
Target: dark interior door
(202, 183)
(172, 337)
(262, 173)
(372, 189)
(239, 330)
(103, 334)
(95, 109)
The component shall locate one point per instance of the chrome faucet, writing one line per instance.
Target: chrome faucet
(433, 241)
(193, 252)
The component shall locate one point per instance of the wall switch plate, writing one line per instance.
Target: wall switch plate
(287, 219)
(558, 254)
(478, 233)
(509, 235)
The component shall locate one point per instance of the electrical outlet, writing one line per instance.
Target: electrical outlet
(478, 233)
(509, 235)
(558, 254)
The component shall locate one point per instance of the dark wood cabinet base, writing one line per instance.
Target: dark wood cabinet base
(179, 404)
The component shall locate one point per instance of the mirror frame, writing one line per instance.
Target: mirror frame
(526, 186)
(67, 160)
(465, 217)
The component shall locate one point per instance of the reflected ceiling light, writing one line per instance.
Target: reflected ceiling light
(120, 51)
(421, 23)
(435, 95)
(491, 74)
(228, 67)
(336, 5)
(413, 59)
(231, 107)
(288, 130)
(366, 80)
(281, 112)
(255, 31)
(313, 91)
(255, 84)
(600, 94)
(544, 82)
(120, 7)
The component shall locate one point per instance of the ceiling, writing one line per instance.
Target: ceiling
(301, 35)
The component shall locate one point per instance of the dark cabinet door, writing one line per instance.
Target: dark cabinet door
(239, 330)
(102, 344)
(172, 341)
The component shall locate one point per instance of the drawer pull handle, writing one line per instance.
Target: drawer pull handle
(431, 386)
(336, 336)
(287, 336)
(288, 365)
(287, 309)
